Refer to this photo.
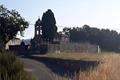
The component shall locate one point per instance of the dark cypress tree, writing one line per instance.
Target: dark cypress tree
(49, 28)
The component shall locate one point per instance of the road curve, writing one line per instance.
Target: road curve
(38, 69)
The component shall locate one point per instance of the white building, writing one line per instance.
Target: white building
(15, 41)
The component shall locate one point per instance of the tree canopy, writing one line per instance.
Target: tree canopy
(108, 40)
(49, 28)
(11, 23)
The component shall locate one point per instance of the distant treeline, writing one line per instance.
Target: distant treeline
(108, 40)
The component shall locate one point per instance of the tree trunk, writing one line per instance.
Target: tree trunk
(2, 47)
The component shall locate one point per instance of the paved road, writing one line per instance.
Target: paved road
(37, 69)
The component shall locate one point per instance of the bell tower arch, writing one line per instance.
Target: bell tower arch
(38, 30)
(38, 33)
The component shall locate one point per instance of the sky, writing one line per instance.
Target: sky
(69, 13)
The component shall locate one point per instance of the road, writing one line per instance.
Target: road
(38, 69)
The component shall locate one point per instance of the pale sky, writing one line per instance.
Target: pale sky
(69, 13)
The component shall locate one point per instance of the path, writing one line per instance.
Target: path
(39, 70)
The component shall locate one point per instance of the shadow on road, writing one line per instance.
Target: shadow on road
(66, 67)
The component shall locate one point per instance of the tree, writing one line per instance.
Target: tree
(49, 28)
(10, 24)
(66, 31)
(108, 40)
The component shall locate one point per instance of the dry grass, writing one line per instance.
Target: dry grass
(11, 68)
(108, 70)
(73, 56)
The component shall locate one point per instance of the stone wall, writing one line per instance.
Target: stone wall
(73, 47)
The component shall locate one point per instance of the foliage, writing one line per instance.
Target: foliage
(108, 40)
(49, 28)
(10, 23)
(11, 68)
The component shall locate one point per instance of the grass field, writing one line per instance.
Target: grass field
(109, 69)
(75, 56)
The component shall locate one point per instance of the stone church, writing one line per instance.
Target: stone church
(37, 45)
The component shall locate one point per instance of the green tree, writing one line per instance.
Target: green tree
(66, 31)
(49, 28)
(108, 40)
(10, 24)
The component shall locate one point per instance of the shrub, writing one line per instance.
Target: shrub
(11, 68)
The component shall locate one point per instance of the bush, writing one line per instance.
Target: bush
(11, 68)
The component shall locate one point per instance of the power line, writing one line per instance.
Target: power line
(57, 26)
(77, 26)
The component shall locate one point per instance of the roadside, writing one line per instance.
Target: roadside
(39, 70)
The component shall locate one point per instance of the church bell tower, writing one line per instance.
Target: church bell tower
(38, 30)
(38, 33)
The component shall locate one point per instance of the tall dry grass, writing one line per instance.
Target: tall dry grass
(11, 68)
(108, 70)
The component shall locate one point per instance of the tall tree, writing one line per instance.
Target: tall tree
(10, 24)
(49, 28)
